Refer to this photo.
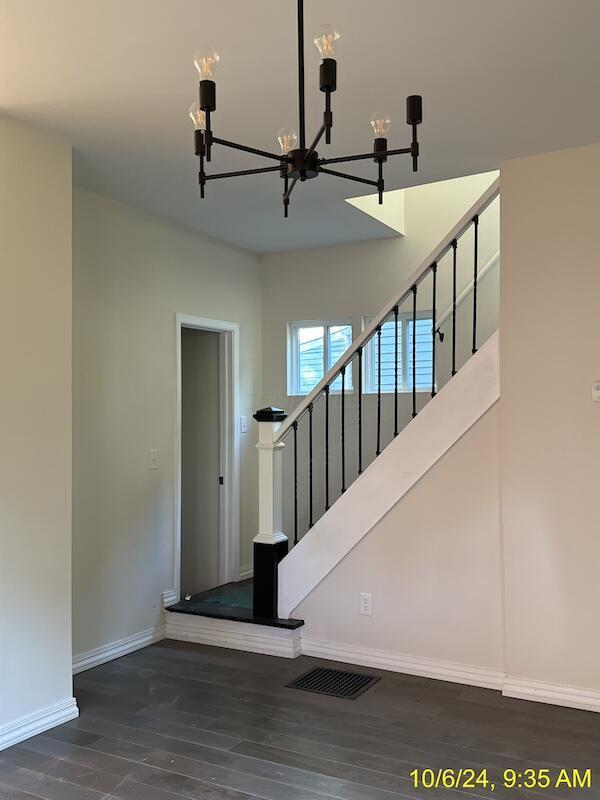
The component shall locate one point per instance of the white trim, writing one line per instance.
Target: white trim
(447, 416)
(233, 635)
(169, 598)
(39, 721)
(112, 650)
(246, 571)
(229, 368)
(400, 662)
(443, 247)
(555, 694)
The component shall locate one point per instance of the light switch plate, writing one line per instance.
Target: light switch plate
(596, 391)
(153, 459)
(244, 424)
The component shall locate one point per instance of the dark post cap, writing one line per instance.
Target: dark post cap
(270, 414)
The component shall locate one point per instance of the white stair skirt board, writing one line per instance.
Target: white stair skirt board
(112, 650)
(38, 722)
(169, 598)
(234, 635)
(456, 407)
(555, 694)
(399, 662)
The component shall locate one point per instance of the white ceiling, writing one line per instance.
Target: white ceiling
(500, 79)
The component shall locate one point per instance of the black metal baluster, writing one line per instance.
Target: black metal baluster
(360, 382)
(414, 353)
(396, 371)
(378, 451)
(343, 429)
(434, 325)
(295, 427)
(326, 448)
(310, 465)
(454, 249)
(475, 259)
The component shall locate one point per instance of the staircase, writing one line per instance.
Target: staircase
(410, 385)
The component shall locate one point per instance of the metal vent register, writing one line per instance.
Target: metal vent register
(333, 682)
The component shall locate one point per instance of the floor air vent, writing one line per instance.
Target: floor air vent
(333, 682)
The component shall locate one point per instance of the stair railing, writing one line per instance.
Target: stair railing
(275, 426)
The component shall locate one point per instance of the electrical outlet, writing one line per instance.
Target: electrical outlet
(366, 604)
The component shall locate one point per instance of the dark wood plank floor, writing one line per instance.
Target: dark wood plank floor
(188, 721)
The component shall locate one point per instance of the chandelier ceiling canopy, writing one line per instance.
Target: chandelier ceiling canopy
(297, 162)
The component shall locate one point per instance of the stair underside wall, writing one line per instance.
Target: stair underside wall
(455, 409)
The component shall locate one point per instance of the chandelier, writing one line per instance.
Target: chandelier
(297, 162)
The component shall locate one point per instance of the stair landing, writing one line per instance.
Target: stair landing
(232, 601)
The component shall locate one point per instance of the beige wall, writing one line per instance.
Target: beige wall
(132, 274)
(550, 429)
(352, 281)
(35, 422)
(432, 565)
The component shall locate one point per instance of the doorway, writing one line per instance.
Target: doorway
(200, 460)
(207, 463)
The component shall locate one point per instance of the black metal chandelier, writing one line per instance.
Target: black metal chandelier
(297, 162)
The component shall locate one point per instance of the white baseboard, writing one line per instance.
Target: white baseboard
(169, 598)
(247, 571)
(234, 635)
(112, 650)
(555, 694)
(398, 662)
(38, 722)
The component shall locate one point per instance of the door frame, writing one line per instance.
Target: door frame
(229, 445)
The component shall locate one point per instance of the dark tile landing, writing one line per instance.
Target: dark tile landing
(232, 601)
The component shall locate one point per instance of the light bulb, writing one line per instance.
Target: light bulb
(325, 40)
(198, 117)
(205, 61)
(288, 140)
(380, 124)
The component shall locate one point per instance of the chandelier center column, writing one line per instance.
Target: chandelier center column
(301, 93)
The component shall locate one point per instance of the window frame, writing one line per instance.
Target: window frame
(293, 362)
(369, 377)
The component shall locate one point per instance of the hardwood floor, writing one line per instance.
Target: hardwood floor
(188, 721)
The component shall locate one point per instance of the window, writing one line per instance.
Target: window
(313, 348)
(424, 355)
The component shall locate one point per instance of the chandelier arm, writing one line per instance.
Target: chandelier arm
(286, 196)
(316, 141)
(246, 149)
(301, 92)
(348, 177)
(363, 156)
(241, 172)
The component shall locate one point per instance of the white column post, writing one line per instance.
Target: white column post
(270, 543)
(270, 518)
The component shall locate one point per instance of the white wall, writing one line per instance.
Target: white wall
(132, 274)
(432, 565)
(550, 429)
(35, 414)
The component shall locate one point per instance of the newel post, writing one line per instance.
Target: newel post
(270, 544)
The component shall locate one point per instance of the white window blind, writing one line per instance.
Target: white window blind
(424, 355)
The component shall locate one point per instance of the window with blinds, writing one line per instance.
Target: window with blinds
(406, 332)
(313, 348)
